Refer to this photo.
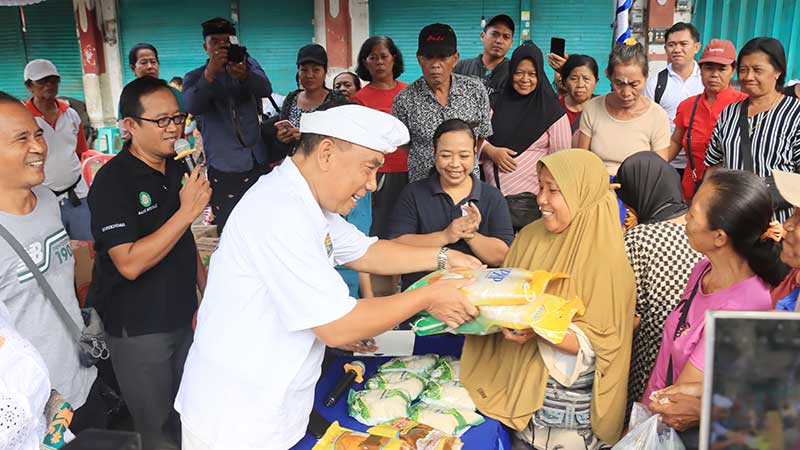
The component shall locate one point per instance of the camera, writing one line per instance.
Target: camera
(236, 52)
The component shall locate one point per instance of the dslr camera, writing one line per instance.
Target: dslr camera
(236, 52)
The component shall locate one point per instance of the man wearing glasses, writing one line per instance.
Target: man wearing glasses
(146, 270)
(64, 135)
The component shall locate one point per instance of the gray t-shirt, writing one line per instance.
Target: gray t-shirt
(34, 316)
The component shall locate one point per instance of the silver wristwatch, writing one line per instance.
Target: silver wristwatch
(441, 258)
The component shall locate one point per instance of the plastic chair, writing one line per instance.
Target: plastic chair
(88, 154)
(92, 164)
(109, 140)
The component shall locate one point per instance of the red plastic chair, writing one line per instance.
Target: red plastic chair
(88, 154)
(92, 164)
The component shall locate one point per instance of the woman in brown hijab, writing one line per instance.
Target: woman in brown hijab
(570, 395)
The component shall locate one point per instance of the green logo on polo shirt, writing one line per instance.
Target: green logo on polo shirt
(144, 199)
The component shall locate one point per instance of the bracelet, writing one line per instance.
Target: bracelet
(441, 258)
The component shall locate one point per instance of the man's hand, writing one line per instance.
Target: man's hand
(195, 194)
(449, 304)
(519, 336)
(362, 346)
(238, 71)
(502, 157)
(458, 260)
(217, 60)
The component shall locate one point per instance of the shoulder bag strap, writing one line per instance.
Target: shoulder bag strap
(745, 151)
(496, 175)
(689, 155)
(661, 86)
(687, 305)
(48, 290)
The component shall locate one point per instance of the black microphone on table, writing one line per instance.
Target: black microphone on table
(353, 371)
(181, 146)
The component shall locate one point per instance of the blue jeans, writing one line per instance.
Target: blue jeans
(77, 220)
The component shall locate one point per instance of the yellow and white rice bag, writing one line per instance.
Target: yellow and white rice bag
(417, 435)
(340, 438)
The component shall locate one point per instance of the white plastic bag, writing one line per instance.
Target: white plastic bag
(646, 433)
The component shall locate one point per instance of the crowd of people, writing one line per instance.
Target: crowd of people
(479, 162)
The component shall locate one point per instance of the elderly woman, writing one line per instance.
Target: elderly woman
(623, 122)
(729, 222)
(697, 115)
(579, 75)
(569, 395)
(659, 252)
(762, 133)
(453, 208)
(346, 84)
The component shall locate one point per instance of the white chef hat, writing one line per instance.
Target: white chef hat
(720, 401)
(358, 125)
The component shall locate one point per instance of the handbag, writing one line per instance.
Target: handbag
(745, 151)
(523, 206)
(92, 339)
(276, 150)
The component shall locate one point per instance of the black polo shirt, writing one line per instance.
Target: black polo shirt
(424, 207)
(129, 200)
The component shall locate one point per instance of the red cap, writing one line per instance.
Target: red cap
(719, 51)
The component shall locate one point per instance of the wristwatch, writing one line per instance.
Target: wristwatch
(441, 258)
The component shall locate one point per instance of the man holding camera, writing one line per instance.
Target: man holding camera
(224, 95)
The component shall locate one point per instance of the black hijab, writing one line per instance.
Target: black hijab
(651, 187)
(520, 120)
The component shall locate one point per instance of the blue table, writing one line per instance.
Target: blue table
(491, 435)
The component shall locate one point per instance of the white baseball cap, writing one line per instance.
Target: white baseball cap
(38, 69)
(359, 125)
(788, 185)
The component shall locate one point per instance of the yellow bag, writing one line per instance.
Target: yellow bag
(400, 434)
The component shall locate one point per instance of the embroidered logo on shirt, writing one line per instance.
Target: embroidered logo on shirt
(145, 199)
(328, 245)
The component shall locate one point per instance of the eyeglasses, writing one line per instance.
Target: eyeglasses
(177, 119)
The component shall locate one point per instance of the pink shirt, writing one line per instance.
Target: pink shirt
(751, 294)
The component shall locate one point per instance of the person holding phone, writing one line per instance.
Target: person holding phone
(491, 66)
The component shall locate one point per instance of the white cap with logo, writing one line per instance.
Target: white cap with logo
(38, 69)
(358, 125)
(788, 185)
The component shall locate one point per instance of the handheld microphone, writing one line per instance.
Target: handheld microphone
(183, 150)
(353, 371)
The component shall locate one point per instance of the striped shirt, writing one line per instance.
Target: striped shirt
(525, 177)
(775, 141)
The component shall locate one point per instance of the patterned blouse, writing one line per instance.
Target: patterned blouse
(662, 261)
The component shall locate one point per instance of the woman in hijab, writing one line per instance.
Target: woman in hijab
(528, 122)
(659, 252)
(570, 395)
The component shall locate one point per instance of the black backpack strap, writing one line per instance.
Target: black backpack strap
(745, 151)
(661, 85)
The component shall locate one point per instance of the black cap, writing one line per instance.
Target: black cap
(313, 53)
(218, 25)
(502, 18)
(437, 39)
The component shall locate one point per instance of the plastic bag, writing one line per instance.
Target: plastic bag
(417, 364)
(447, 369)
(495, 287)
(418, 435)
(646, 433)
(377, 406)
(447, 394)
(452, 421)
(340, 438)
(407, 382)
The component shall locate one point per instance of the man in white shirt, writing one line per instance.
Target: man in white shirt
(681, 79)
(274, 300)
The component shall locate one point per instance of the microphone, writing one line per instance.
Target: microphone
(183, 150)
(353, 371)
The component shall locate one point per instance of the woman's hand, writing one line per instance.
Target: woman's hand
(556, 62)
(519, 336)
(679, 411)
(502, 157)
(286, 135)
(362, 346)
(461, 228)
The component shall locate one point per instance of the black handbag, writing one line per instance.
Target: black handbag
(746, 153)
(523, 206)
(276, 150)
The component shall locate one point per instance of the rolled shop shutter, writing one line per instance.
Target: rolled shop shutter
(584, 24)
(403, 20)
(12, 53)
(172, 27)
(273, 32)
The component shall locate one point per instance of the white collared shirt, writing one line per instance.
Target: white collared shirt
(250, 375)
(677, 90)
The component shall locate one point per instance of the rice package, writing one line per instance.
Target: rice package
(495, 287)
(447, 394)
(417, 435)
(407, 382)
(417, 364)
(452, 421)
(340, 438)
(377, 406)
(447, 369)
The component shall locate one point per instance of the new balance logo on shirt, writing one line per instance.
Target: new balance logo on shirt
(44, 254)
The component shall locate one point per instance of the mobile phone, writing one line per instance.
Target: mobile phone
(557, 46)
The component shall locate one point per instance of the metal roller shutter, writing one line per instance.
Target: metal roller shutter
(273, 33)
(403, 20)
(12, 53)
